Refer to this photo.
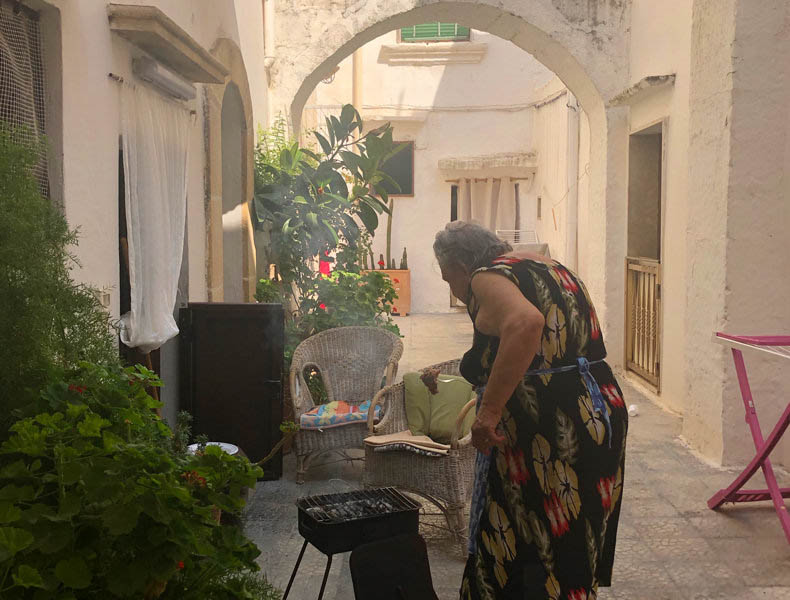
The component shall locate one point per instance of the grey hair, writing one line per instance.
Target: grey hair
(468, 244)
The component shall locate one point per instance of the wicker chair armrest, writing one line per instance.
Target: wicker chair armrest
(459, 423)
(301, 397)
(391, 372)
(391, 399)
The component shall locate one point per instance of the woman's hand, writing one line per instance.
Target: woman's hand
(484, 430)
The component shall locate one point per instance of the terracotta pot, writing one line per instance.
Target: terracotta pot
(401, 281)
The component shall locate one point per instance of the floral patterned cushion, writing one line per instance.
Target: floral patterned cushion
(336, 414)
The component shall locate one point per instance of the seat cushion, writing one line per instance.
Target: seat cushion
(434, 415)
(336, 414)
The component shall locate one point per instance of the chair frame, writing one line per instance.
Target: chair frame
(320, 351)
(445, 481)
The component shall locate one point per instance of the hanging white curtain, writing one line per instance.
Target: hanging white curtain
(490, 202)
(155, 135)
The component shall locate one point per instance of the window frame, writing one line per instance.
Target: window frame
(436, 39)
(413, 190)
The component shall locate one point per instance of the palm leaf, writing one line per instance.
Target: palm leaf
(567, 441)
(515, 502)
(542, 541)
(528, 398)
(545, 301)
(592, 547)
(484, 587)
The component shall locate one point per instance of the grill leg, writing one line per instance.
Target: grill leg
(326, 576)
(296, 568)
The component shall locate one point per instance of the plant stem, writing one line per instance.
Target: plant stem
(276, 448)
(389, 231)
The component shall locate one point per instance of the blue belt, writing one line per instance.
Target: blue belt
(583, 366)
(483, 462)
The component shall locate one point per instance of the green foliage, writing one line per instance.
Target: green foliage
(267, 291)
(312, 203)
(249, 585)
(340, 300)
(95, 503)
(46, 321)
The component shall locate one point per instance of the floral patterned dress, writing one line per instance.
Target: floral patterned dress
(552, 503)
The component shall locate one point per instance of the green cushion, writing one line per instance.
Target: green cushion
(435, 415)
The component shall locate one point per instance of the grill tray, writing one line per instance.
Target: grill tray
(336, 523)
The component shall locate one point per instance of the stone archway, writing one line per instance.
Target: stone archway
(584, 43)
(229, 105)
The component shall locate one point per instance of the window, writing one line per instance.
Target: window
(539, 208)
(22, 79)
(435, 32)
(401, 168)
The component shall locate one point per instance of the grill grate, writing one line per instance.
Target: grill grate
(356, 505)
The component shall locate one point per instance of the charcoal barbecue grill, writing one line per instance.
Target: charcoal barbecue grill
(336, 523)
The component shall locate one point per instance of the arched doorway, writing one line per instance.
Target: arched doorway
(228, 142)
(584, 44)
(233, 127)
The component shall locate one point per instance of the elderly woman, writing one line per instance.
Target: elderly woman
(551, 423)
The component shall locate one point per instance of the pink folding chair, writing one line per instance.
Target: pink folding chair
(773, 344)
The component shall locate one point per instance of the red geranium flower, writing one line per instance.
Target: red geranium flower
(394, 309)
(80, 389)
(395, 281)
(180, 564)
(380, 263)
(322, 306)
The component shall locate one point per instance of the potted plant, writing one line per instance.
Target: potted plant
(401, 282)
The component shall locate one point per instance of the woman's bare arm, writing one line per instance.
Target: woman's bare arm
(503, 311)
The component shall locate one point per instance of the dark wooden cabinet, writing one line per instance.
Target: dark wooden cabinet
(232, 358)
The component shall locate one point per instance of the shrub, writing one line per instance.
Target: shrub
(94, 501)
(267, 290)
(47, 322)
(313, 203)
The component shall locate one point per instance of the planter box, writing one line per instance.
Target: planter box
(401, 281)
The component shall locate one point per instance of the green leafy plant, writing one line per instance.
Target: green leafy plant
(47, 322)
(343, 299)
(243, 585)
(267, 290)
(94, 502)
(312, 203)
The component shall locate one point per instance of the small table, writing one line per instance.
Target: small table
(777, 345)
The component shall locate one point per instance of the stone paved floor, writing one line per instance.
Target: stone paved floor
(670, 546)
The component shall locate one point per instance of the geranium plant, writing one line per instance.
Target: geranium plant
(94, 501)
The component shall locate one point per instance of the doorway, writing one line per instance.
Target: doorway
(643, 261)
(233, 138)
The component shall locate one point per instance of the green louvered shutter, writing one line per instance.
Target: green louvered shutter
(434, 32)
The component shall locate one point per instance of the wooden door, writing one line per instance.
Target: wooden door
(232, 358)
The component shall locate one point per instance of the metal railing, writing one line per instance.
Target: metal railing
(518, 236)
(642, 314)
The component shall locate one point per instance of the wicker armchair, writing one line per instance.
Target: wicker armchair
(352, 362)
(444, 481)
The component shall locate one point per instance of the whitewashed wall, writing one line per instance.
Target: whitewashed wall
(88, 111)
